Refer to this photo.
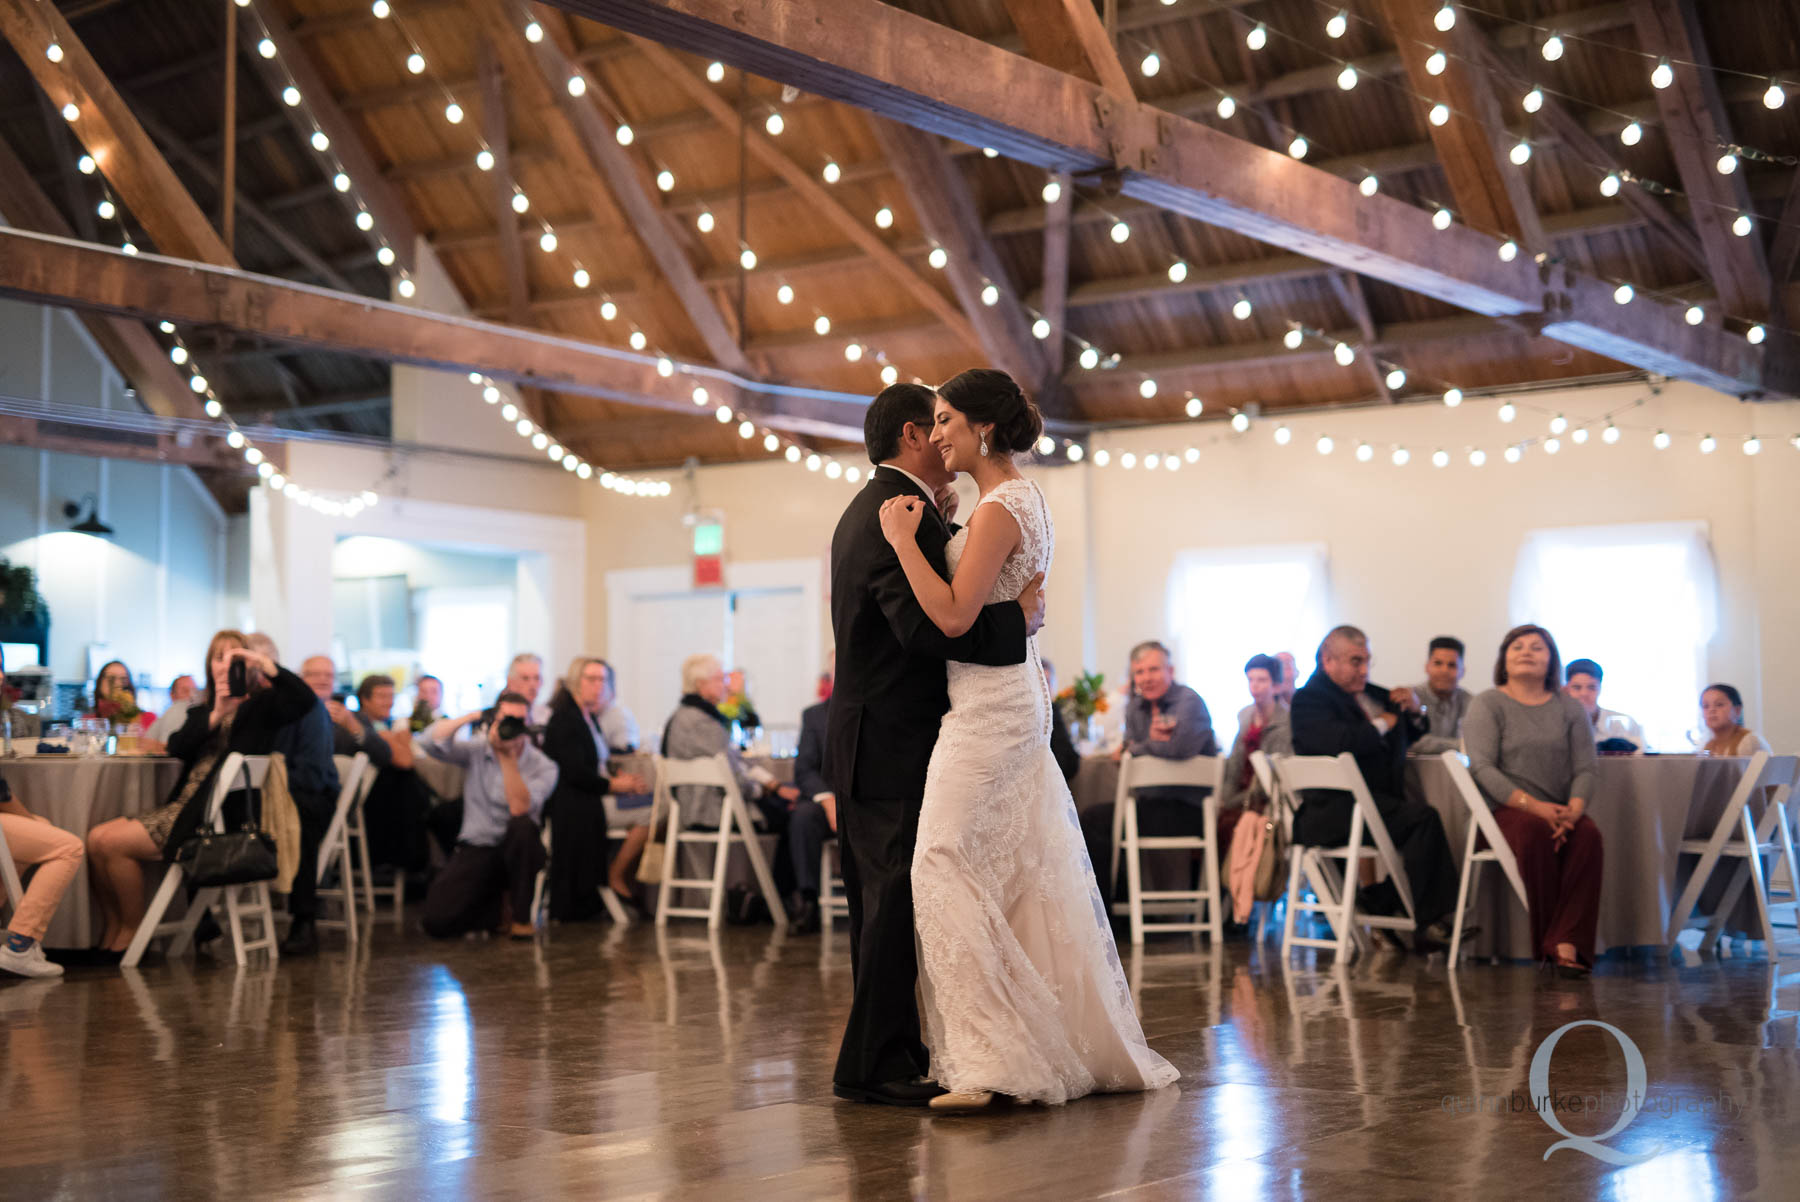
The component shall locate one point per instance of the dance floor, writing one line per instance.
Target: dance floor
(606, 1063)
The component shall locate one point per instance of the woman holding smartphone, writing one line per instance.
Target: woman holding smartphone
(248, 699)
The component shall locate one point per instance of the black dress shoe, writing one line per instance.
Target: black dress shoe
(302, 939)
(207, 929)
(916, 1092)
(805, 920)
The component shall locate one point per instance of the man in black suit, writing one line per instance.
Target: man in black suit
(1339, 711)
(882, 722)
(811, 820)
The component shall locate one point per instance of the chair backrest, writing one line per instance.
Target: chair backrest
(350, 770)
(713, 771)
(1483, 817)
(239, 771)
(1149, 771)
(1297, 773)
(1265, 774)
(1764, 772)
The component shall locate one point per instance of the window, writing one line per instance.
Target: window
(1227, 605)
(1640, 600)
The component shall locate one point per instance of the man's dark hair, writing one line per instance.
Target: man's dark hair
(1267, 663)
(1444, 642)
(888, 415)
(370, 683)
(1339, 634)
(511, 698)
(1584, 667)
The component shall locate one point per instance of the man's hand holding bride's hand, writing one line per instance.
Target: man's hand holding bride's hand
(1032, 602)
(900, 519)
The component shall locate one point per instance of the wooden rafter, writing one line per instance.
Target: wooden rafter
(945, 207)
(68, 439)
(496, 132)
(1068, 35)
(906, 67)
(1489, 192)
(1693, 115)
(1350, 293)
(109, 131)
(814, 194)
(1053, 298)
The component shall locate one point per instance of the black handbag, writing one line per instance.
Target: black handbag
(217, 858)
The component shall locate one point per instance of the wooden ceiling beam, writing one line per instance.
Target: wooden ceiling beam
(1698, 130)
(945, 208)
(1350, 294)
(65, 438)
(55, 271)
(1052, 300)
(814, 194)
(1235, 356)
(393, 220)
(1489, 192)
(361, 17)
(110, 132)
(1068, 35)
(500, 185)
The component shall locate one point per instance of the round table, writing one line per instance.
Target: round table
(78, 793)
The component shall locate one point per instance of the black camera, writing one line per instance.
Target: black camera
(237, 678)
(511, 728)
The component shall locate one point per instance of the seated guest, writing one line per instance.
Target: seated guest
(398, 806)
(737, 705)
(428, 702)
(1163, 719)
(181, 699)
(320, 675)
(1062, 745)
(1531, 751)
(525, 676)
(812, 818)
(312, 775)
(217, 726)
(617, 723)
(581, 809)
(1722, 713)
(1262, 726)
(115, 698)
(1583, 679)
(1338, 710)
(1290, 678)
(499, 849)
(1435, 709)
(57, 853)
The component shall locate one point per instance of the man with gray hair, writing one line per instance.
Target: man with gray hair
(1338, 710)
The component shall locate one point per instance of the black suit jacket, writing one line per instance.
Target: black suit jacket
(810, 776)
(890, 692)
(569, 740)
(1062, 746)
(1328, 721)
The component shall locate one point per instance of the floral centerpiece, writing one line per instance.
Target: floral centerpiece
(1084, 699)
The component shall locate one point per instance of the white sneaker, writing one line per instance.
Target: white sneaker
(28, 963)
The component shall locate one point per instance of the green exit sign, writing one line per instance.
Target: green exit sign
(709, 538)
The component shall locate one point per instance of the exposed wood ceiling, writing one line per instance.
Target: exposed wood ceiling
(875, 284)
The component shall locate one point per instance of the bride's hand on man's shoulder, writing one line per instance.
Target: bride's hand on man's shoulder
(900, 519)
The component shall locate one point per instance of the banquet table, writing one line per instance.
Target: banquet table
(1644, 806)
(78, 793)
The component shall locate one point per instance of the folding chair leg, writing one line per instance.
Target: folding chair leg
(671, 862)
(825, 889)
(721, 858)
(614, 906)
(235, 925)
(765, 879)
(1464, 899)
(1295, 871)
(165, 893)
(1134, 873)
(1209, 869)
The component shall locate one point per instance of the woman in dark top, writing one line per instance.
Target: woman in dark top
(216, 726)
(1531, 752)
(578, 807)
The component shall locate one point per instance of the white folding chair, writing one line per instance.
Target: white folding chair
(1265, 778)
(334, 848)
(1148, 771)
(1740, 836)
(615, 907)
(1333, 871)
(1482, 825)
(832, 901)
(356, 831)
(242, 902)
(734, 827)
(543, 878)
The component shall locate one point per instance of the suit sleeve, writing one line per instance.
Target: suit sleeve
(997, 639)
(1063, 748)
(809, 763)
(1318, 731)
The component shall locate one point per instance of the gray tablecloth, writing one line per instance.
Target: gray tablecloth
(1644, 806)
(78, 794)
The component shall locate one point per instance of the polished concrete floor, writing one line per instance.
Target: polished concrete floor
(621, 1064)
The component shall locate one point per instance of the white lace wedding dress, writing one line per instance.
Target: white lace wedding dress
(1020, 984)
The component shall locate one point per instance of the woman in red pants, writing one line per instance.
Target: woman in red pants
(1531, 752)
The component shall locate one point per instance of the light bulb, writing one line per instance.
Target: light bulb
(130, 248)
(723, 414)
(290, 96)
(70, 111)
(235, 441)
(540, 440)
(1401, 456)
(1436, 62)
(407, 287)
(1090, 358)
(320, 142)
(1369, 186)
(1477, 457)
(1520, 154)
(665, 367)
(1178, 271)
(608, 310)
(1340, 21)
(577, 85)
(624, 135)
(704, 222)
(1708, 444)
(1752, 445)
(715, 71)
(1440, 458)
(938, 258)
(253, 456)
(774, 125)
(1344, 353)
(582, 278)
(1227, 106)
(1075, 452)
(1150, 65)
(890, 374)
(509, 413)
(1632, 134)
(534, 32)
(1742, 225)
(1242, 308)
(54, 52)
(1195, 406)
(1324, 446)
(1728, 163)
(1257, 38)
(86, 165)
(1346, 79)
(1623, 293)
(178, 354)
(1775, 97)
(365, 220)
(1695, 315)
(524, 427)
(415, 62)
(167, 327)
(884, 218)
(1453, 397)
(701, 398)
(1396, 380)
(813, 462)
(106, 209)
(585, 471)
(771, 443)
(1445, 18)
(1440, 114)
(1442, 219)
(1507, 412)
(1052, 192)
(1755, 334)
(747, 259)
(547, 241)
(638, 341)
(1662, 76)
(1580, 435)
(1120, 231)
(453, 113)
(785, 294)
(1552, 48)
(520, 202)
(1293, 338)
(834, 469)
(821, 325)
(1509, 250)
(380, 9)
(266, 48)
(491, 395)
(792, 454)
(854, 352)
(484, 160)
(341, 182)
(1040, 329)
(832, 172)
(746, 428)
(1364, 452)
(1558, 424)
(1514, 454)
(1610, 434)
(1609, 185)
(1128, 460)
(1661, 441)
(1298, 147)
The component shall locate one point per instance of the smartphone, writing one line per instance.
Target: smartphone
(237, 678)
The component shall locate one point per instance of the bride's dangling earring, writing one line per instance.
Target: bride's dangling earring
(984, 450)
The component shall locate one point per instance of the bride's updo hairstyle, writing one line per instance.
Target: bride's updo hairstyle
(984, 395)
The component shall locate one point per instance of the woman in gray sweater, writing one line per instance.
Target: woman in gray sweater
(1531, 752)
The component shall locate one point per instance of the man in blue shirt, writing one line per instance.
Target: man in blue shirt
(499, 850)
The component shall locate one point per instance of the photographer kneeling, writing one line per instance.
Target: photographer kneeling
(499, 849)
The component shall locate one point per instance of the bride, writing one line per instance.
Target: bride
(1020, 986)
